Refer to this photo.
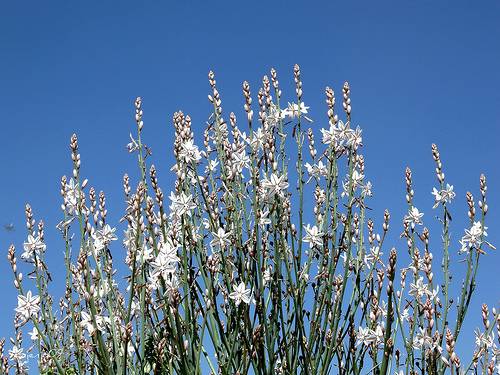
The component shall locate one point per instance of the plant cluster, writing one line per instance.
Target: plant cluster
(263, 259)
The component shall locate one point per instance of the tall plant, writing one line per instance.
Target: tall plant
(265, 260)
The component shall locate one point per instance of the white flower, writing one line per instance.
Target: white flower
(88, 324)
(443, 196)
(354, 138)
(34, 245)
(366, 189)
(17, 354)
(264, 218)
(103, 237)
(472, 237)
(169, 251)
(268, 275)
(182, 204)
(34, 334)
(275, 115)
(240, 160)
(414, 217)
(189, 152)
(313, 236)
(221, 238)
(342, 132)
(294, 110)
(433, 294)
(145, 253)
(422, 340)
(240, 294)
(357, 178)
(212, 166)
(419, 288)
(373, 257)
(484, 340)
(72, 196)
(365, 336)
(133, 145)
(316, 170)
(129, 236)
(328, 135)
(379, 334)
(28, 306)
(355, 181)
(405, 315)
(275, 185)
(162, 266)
(258, 139)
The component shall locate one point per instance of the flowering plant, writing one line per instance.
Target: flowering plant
(234, 275)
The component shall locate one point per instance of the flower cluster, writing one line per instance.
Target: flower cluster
(265, 258)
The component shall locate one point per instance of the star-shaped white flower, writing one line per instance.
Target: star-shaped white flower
(414, 216)
(28, 306)
(294, 110)
(275, 185)
(221, 238)
(313, 236)
(240, 294)
(443, 196)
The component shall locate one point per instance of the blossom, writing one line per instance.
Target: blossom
(258, 139)
(422, 340)
(365, 336)
(189, 152)
(313, 236)
(294, 110)
(34, 245)
(433, 294)
(240, 160)
(275, 114)
(405, 315)
(316, 170)
(129, 237)
(17, 354)
(169, 250)
(275, 185)
(419, 288)
(34, 334)
(145, 252)
(240, 294)
(163, 265)
(182, 204)
(268, 275)
(72, 196)
(133, 145)
(366, 189)
(264, 218)
(88, 324)
(443, 196)
(379, 334)
(357, 178)
(329, 135)
(28, 306)
(212, 166)
(354, 138)
(221, 238)
(473, 237)
(342, 132)
(103, 237)
(483, 339)
(373, 256)
(414, 216)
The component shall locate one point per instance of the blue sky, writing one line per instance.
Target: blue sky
(420, 73)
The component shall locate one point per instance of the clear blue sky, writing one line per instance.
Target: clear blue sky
(421, 72)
